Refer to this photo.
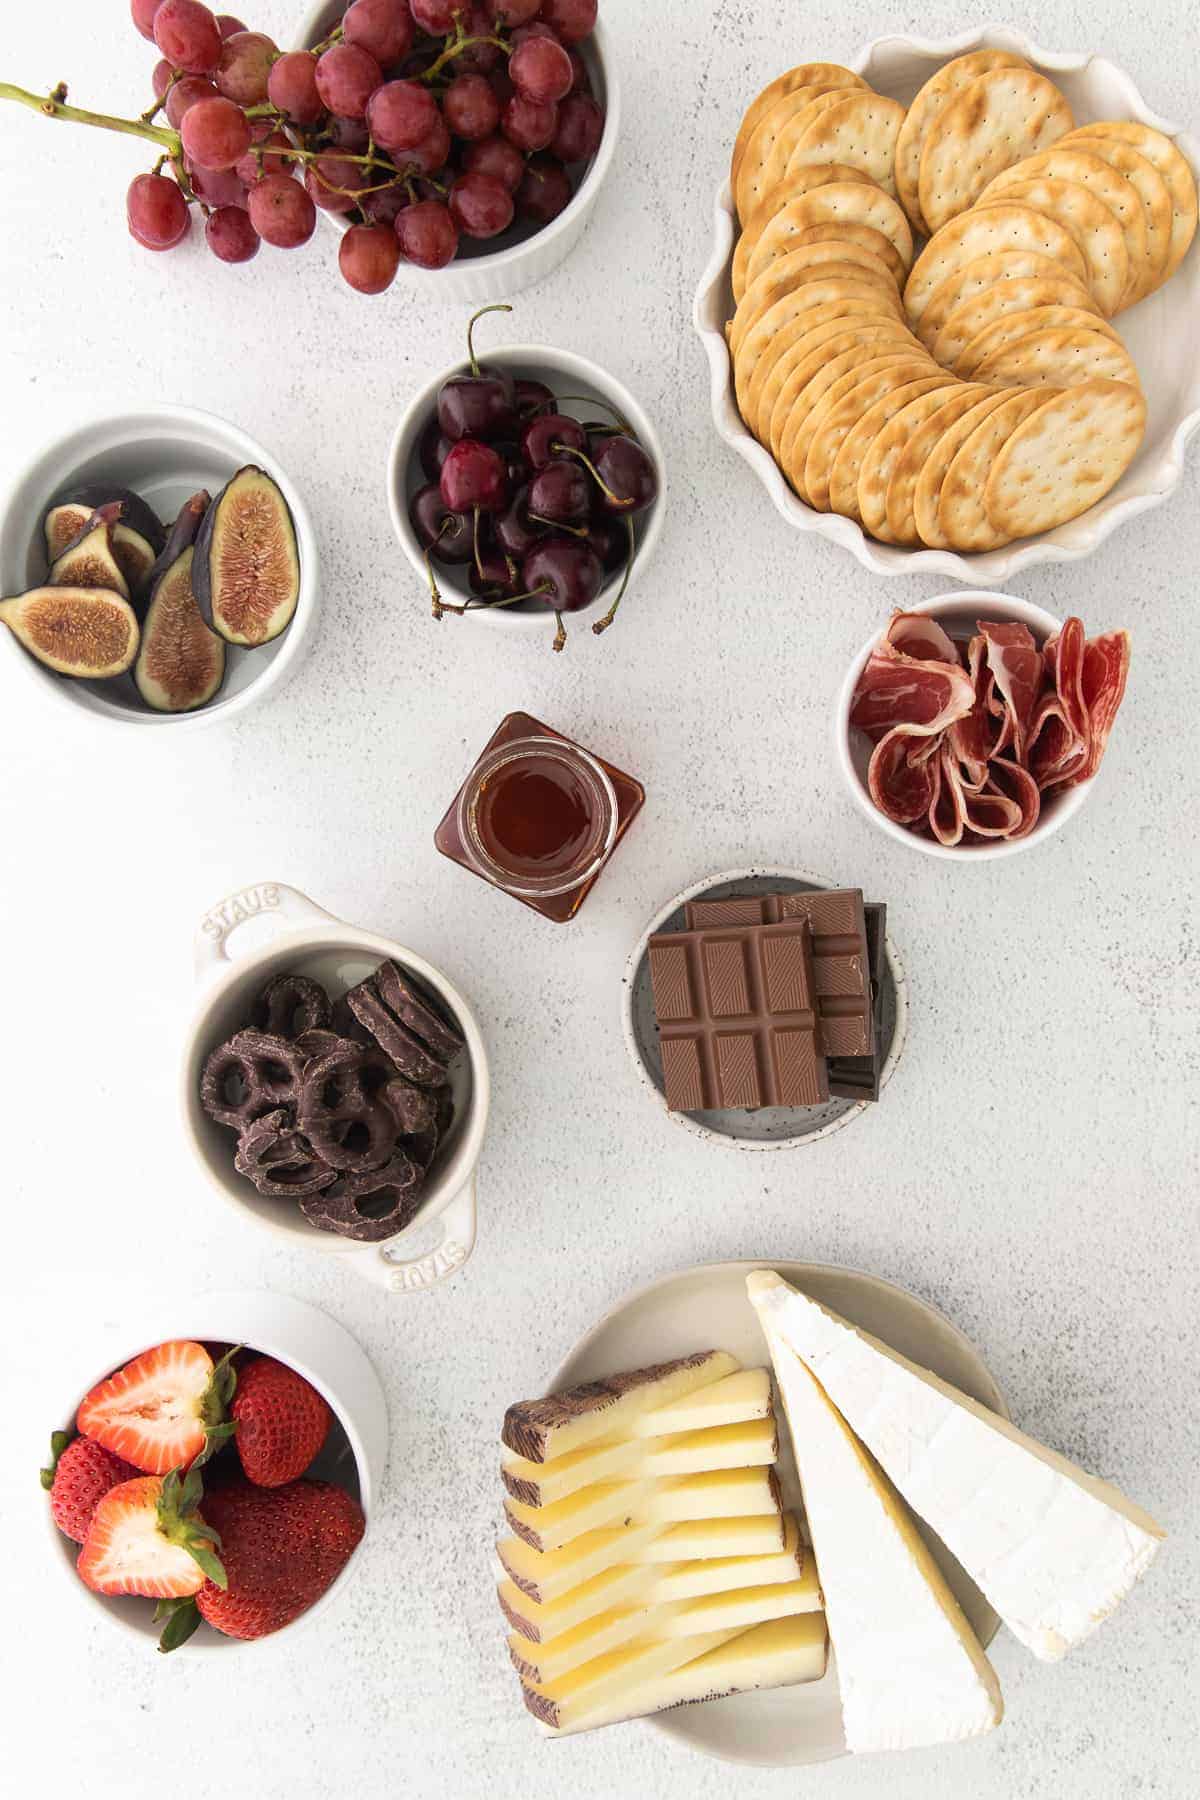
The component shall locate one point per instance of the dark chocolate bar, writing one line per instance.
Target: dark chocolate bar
(858, 1077)
(737, 1017)
(841, 957)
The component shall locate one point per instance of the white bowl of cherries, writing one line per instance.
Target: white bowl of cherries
(524, 487)
(458, 142)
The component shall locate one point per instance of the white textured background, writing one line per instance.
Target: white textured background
(1033, 1170)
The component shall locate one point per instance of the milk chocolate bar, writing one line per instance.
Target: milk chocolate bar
(737, 1017)
(841, 956)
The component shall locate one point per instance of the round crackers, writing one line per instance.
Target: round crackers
(814, 407)
(859, 128)
(932, 473)
(1065, 458)
(938, 92)
(815, 297)
(832, 421)
(886, 447)
(1012, 327)
(913, 455)
(1102, 180)
(838, 203)
(816, 75)
(983, 275)
(1147, 184)
(799, 268)
(1003, 304)
(1158, 149)
(788, 230)
(1095, 228)
(847, 464)
(962, 520)
(765, 162)
(1005, 226)
(1058, 358)
(773, 203)
(827, 351)
(997, 119)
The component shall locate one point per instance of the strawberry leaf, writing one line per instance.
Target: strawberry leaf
(201, 1553)
(58, 1443)
(182, 1617)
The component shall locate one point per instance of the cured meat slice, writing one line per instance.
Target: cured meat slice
(977, 737)
(918, 636)
(1018, 785)
(1018, 671)
(1105, 674)
(903, 791)
(957, 809)
(896, 689)
(1064, 662)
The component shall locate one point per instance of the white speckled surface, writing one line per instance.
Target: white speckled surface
(1033, 1170)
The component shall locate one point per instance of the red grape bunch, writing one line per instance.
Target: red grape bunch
(419, 122)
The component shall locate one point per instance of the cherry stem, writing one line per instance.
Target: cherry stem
(440, 606)
(540, 592)
(557, 525)
(54, 106)
(587, 400)
(481, 314)
(603, 624)
(558, 449)
(475, 540)
(560, 636)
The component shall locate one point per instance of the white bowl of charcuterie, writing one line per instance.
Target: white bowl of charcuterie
(973, 726)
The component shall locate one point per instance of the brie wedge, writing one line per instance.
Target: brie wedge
(739, 1446)
(911, 1671)
(740, 1607)
(547, 1576)
(645, 1584)
(1054, 1549)
(781, 1654)
(722, 1494)
(544, 1429)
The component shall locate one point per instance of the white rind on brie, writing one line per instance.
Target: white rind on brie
(1054, 1549)
(911, 1670)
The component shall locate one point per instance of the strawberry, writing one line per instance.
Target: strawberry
(282, 1549)
(146, 1537)
(164, 1410)
(80, 1474)
(281, 1423)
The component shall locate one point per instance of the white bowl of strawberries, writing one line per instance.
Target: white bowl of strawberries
(213, 1487)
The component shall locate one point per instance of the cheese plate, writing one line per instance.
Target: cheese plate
(693, 1310)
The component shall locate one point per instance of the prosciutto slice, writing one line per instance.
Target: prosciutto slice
(1018, 670)
(967, 753)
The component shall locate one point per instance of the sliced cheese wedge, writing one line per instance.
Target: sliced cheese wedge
(645, 1584)
(781, 1654)
(1054, 1549)
(544, 1429)
(546, 1577)
(678, 1618)
(611, 1679)
(746, 1395)
(723, 1494)
(740, 1446)
(911, 1670)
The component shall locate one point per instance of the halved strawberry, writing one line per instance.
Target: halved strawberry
(164, 1410)
(146, 1537)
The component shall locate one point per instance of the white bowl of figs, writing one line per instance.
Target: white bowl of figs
(157, 568)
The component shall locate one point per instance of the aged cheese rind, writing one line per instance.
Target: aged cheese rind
(1054, 1549)
(559, 1423)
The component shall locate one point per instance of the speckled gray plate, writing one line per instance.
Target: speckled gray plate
(705, 1308)
(773, 1127)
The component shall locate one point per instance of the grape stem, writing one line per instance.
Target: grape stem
(603, 624)
(54, 106)
(456, 46)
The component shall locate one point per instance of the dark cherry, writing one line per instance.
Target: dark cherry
(543, 433)
(610, 540)
(629, 474)
(564, 573)
(448, 536)
(561, 493)
(495, 574)
(481, 403)
(545, 191)
(433, 448)
(515, 531)
(473, 478)
(531, 395)
(515, 466)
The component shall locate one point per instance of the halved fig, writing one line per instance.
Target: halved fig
(74, 630)
(181, 663)
(90, 496)
(247, 573)
(134, 553)
(90, 559)
(183, 532)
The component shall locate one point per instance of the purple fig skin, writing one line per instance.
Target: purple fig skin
(207, 691)
(183, 532)
(134, 511)
(202, 569)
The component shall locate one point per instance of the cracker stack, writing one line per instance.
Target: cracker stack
(977, 393)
